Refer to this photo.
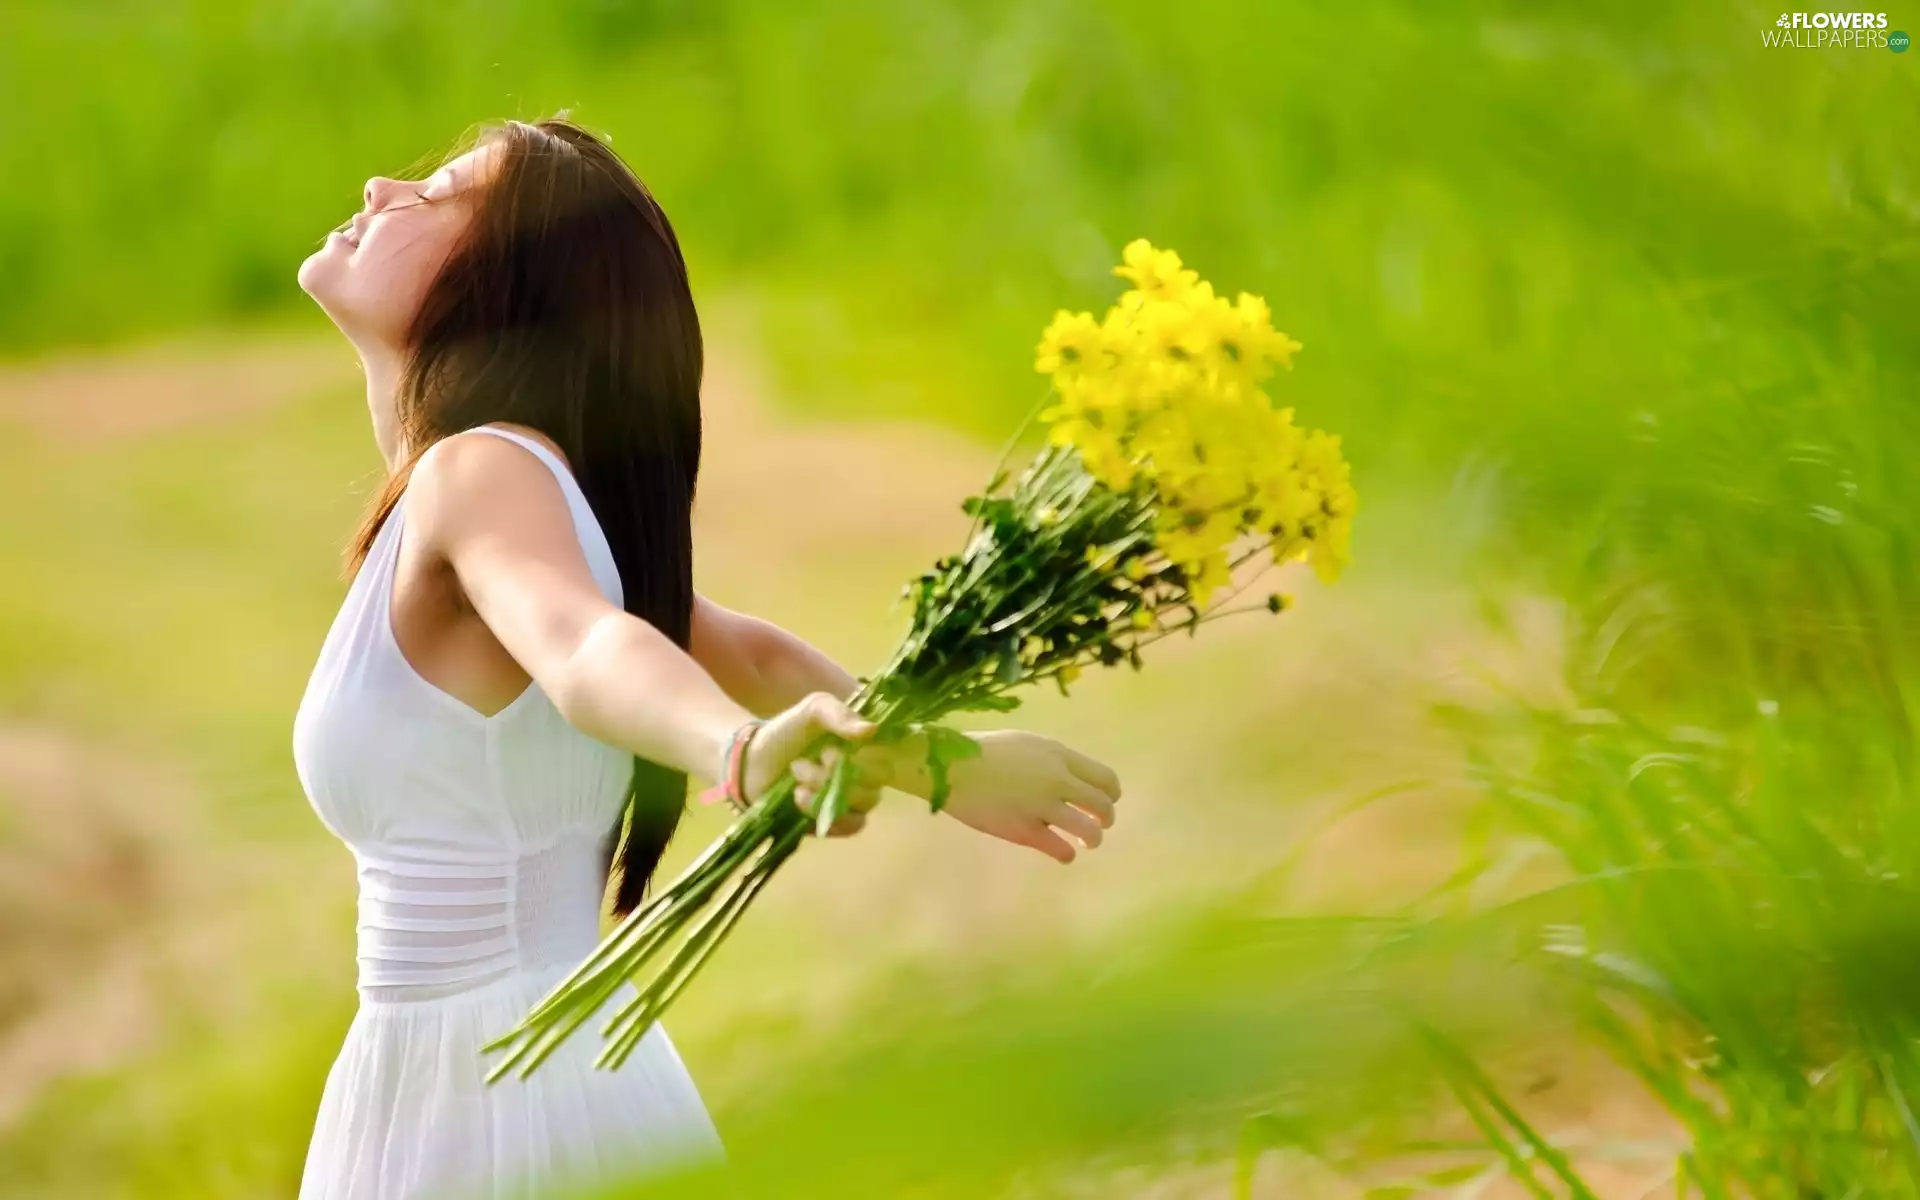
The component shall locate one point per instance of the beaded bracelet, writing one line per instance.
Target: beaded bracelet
(731, 785)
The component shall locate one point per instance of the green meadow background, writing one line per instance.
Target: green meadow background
(1570, 846)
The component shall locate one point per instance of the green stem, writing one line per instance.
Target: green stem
(538, 1035)
(625, 1032)
(589, 986)
(689, 890)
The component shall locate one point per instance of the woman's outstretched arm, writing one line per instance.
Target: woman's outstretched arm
(758, 663)
(490, 518)
(1024, 788)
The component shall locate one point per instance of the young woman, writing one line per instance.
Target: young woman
(522, 676)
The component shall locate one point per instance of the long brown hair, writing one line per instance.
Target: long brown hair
(566, 308)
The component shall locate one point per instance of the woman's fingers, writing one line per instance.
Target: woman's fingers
(1068, 819)
(861, 799)
(851, 820)
(871, 774)
(1093, 771)
(848, 825)
(876, 765)
(784, 738)
(1047, 842)
(1098, 804)
(830, 714)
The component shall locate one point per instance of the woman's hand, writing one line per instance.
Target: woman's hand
(781, 744)
(1028, 789)
(873, 770)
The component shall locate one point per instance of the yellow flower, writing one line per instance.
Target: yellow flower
(1253, 310)
(1257, 320)
(1161, 384)
(1069, 673)
(1156, 274)
(1341, 500)
(1282, 348)
(1284, 501)
(1190, 539)
(1164, 392)
(1169, 444)
(1098, 392)
(1210, 578)
(1101, 454)
(1161, 330)
(1069, 432)
(1119, 319)
(1320, 453)
(1213, 334)
(1069, 344)
(1142, 619)
(1331, 552)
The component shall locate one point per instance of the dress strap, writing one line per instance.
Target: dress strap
(593, 539)
(553, 461)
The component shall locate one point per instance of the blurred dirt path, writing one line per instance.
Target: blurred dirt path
(92, 844)
(166, 385)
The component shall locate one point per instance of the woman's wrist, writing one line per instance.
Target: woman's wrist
(729, 759)
(909, 762)
(711, 723)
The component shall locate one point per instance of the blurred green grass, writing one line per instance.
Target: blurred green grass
(1613, 305)
(1528, 208)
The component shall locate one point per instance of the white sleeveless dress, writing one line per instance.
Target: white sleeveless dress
(480, 843)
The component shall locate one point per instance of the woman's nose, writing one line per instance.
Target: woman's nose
(376, 193)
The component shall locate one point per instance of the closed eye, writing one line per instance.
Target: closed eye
(419, 197)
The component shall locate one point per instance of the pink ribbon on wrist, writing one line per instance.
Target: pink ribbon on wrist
(731, 786)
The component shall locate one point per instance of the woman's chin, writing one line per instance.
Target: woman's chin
(320, 274)
(312, 270)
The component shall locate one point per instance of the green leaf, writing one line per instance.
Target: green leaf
(944, 748)
(1258, 1134)
(831, 804)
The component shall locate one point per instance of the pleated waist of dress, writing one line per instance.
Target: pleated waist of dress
(436, 924)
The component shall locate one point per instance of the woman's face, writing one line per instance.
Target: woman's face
(372, 274)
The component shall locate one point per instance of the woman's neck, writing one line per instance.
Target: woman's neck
(383, 370)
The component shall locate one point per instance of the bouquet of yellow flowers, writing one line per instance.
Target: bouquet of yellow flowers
(1167, 466)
